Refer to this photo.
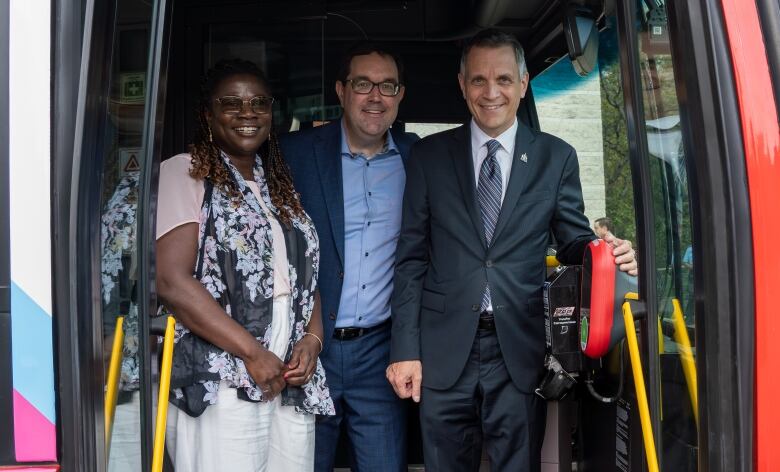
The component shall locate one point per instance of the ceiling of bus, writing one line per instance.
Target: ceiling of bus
(415, 20)
(535, 22)
(300, 42)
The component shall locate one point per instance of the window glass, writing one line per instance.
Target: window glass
(588, 113)
(290, 52)
(424, 129)
(122, 140)
(673, 242)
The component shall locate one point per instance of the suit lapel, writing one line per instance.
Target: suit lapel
(327, 151)
(460, 151)
(521, 161)
(402, 143)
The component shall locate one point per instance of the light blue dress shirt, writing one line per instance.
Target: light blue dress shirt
(373, 193)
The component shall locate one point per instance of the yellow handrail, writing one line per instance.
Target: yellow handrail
(112, 383)
(686, 356)
(639, 384)
(162, 397)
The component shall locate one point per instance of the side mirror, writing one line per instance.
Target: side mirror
(582, 38)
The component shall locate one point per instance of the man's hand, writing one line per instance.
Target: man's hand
(624, 255)
(406, 378)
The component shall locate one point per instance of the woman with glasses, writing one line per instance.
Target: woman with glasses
(237, 263)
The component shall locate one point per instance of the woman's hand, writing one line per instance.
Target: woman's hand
(267, 370)
(303, 361)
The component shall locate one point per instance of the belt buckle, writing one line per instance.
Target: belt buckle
(486, 321)
(345, 334)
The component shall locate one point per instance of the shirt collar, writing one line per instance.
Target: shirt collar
(507, 138)
(389, 148)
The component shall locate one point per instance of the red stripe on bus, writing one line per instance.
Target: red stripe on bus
(761, 136)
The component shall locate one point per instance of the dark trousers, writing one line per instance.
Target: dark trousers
(375, 417)
(483, 404)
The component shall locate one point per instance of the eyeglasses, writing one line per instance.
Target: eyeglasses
(231, 105)
(365, 86)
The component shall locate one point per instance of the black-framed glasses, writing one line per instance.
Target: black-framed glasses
(365, 86)
(231, 105)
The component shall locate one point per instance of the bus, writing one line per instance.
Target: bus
(672, 106)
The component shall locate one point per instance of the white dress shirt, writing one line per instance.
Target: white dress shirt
(504, 154)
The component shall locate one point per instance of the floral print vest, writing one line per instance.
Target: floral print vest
(235, 265)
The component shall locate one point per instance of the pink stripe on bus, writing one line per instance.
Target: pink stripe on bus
(24, 468)
(34, 435)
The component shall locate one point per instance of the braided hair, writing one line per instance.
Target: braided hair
(206, 156)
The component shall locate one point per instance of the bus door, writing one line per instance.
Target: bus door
(643, 171)
(117, 135)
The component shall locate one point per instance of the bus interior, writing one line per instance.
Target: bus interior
(614, 79)
(299, 44)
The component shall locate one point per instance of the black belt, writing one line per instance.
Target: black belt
(345, 334)
(486, 321)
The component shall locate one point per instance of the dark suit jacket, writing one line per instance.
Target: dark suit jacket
(443, 262)
(314, 158)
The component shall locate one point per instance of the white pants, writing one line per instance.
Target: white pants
(240, 436)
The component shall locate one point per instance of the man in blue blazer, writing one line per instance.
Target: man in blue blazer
(351, 176)
(468, 331)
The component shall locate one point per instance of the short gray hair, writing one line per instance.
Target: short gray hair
(493, 38)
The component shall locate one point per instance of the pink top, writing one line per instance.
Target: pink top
(179, 202)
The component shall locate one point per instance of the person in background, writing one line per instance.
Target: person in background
(237, 264)
(468, 327)
(351, 177)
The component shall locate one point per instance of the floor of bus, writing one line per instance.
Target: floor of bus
(414, 441)
(485, 467)
(559, 415)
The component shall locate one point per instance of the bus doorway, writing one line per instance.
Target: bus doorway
(630, 117)
(300, 48)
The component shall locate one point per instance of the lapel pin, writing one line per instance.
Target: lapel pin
(524, 157)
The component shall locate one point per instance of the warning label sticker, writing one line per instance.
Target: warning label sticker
(129, 160)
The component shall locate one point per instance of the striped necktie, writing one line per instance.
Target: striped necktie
(489, 194)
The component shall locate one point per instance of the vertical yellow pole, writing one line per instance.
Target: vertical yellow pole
(162, 397)
(112, 382)
(641, 393)
(686, 357)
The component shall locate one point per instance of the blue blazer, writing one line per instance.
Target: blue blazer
(314, 158)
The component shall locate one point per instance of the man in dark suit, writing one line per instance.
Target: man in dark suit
(479, 205)
(350, 175)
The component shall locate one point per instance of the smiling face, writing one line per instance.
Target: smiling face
(239, 135)
(492, 86)
(367, 117)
